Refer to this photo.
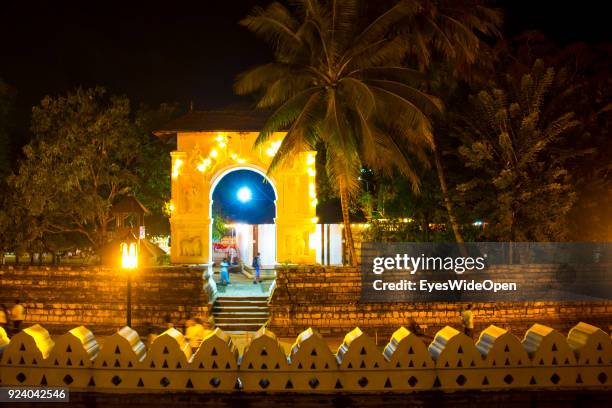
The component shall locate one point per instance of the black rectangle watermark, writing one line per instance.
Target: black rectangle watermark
(34, 394)
(485, 271)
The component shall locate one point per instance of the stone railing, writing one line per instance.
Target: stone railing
(499, 360)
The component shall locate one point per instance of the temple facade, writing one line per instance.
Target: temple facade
(210, 145)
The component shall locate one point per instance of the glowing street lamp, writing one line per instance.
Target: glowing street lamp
(244, 194)
(129, 262)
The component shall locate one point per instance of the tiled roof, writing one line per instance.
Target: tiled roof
(213, 121)
(129, 204)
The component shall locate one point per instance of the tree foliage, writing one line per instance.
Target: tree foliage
(338, 78)
(86, 154)
(520, 180)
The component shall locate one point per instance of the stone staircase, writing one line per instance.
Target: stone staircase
(237, 314)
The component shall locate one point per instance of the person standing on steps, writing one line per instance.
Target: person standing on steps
(257, 266)
(225, 279)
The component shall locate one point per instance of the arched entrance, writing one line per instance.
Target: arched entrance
(201, 161)
(243, 213)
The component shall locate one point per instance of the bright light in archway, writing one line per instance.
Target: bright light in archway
(244, 194)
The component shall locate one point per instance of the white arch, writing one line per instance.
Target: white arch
(216, 178)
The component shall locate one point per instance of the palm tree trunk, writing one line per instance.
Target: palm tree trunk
(447, 202)
(348, 233)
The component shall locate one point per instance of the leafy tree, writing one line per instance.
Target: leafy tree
(219, 226)
(447, 38)
(587, 88)
(511, 136)
(152, 165)
(81, 160)
(337, 79)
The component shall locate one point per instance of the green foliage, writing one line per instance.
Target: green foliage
(341, 81)
(520, 181)
(219, 226)
(153, 166)
(86, 154)
(338, 80)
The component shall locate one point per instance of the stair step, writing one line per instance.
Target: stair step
(241, 317)
(222, 313)
(239, 310)
(222, 321)
(240, 303)
(243, 298)
(240, 314)
(239, 327)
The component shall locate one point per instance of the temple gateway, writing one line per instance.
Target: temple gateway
(211, 145)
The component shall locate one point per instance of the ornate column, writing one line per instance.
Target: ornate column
(189, 221)
(296, 212)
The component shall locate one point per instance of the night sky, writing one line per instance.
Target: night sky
(166, 51)
(259, 209)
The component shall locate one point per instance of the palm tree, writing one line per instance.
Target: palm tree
(451, 32)
(340, 82)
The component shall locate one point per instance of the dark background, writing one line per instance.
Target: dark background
(184, 51)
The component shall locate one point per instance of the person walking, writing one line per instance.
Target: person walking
(4, 322)
(194, 333)
(18, 313)
(225, 279)
(467, 321)
(257, 266)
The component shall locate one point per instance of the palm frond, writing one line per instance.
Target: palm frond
(275, 24)
(358, 96)
(402, 74)
(301, 136)
(425, 102)
(386, 21)
(263, 76)
(285, 115)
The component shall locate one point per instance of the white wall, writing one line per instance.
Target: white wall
(267, 244)
(244, 240)
(335, 243)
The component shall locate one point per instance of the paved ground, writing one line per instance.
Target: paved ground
(242, 286)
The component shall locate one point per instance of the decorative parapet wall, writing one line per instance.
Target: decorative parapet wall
(499, 360)
(328, 300)
(66, 296)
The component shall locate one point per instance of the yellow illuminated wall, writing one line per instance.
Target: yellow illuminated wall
(203, 158)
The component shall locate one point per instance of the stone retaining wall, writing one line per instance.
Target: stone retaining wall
(328, 300)
(62, 297)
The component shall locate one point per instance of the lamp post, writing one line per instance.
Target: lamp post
(129, 262)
